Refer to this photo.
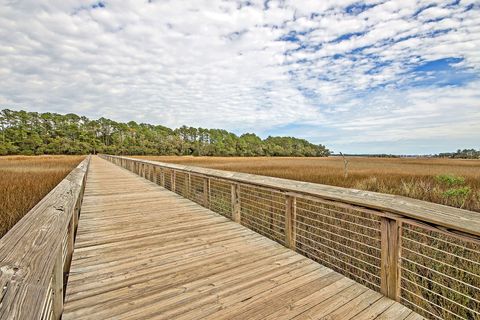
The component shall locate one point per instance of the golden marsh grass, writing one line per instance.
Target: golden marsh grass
(25, 180)
(419, 178)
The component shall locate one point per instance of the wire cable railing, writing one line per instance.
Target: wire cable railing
(424, 255)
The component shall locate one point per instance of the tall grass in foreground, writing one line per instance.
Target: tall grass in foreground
(450, 182)
(26, 180)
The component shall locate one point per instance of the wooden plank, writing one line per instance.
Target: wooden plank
(30, 250)
(236, 213)
(376, 309)
(448, 217)
(57, 286)
(356, 305)
(390, 271)
(395, 311)
(290, 217)
(206, 192)
(235, 297)
(324, 307)
(153, 254)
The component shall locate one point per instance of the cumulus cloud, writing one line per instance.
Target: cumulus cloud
(342, 73)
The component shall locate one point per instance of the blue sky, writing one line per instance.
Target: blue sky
(358, 76)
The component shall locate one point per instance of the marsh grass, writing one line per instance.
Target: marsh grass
(451, 182)
(25, 180)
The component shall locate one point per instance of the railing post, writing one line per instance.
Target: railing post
(155, 177)
(70, 242)
(162, 177)
(391, 230)
(76, 212)
(206, 192)
(236, 215)
(188, 182)
(290, 217)
(173, 180)
(57, 286)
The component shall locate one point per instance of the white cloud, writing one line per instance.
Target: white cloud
(215, 63)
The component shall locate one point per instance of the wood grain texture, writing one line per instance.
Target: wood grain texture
(290, 218)
(143, 252)
(32, 248)
(440, 215)
(390, 262)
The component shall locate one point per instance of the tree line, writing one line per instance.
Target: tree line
(461, 154)
(32, 133)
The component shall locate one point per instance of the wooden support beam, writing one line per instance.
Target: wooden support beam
(390, 273)
(188, 183)
(57, 286)
(290, 216)
(236, 215)
(154, 174)
(173, 180)
(206, 192)
(70, 243)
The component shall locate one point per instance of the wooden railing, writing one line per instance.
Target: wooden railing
(425, 255)
(35, 255)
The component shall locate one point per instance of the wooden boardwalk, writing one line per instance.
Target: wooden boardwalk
(143, 252)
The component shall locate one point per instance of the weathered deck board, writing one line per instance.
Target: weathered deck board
(143, 252)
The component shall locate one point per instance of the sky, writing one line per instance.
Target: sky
(399, 77)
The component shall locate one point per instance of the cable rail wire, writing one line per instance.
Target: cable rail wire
(424, 255)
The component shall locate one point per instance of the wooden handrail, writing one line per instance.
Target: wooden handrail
(390, 243)
(448, 217)
(35, 254)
